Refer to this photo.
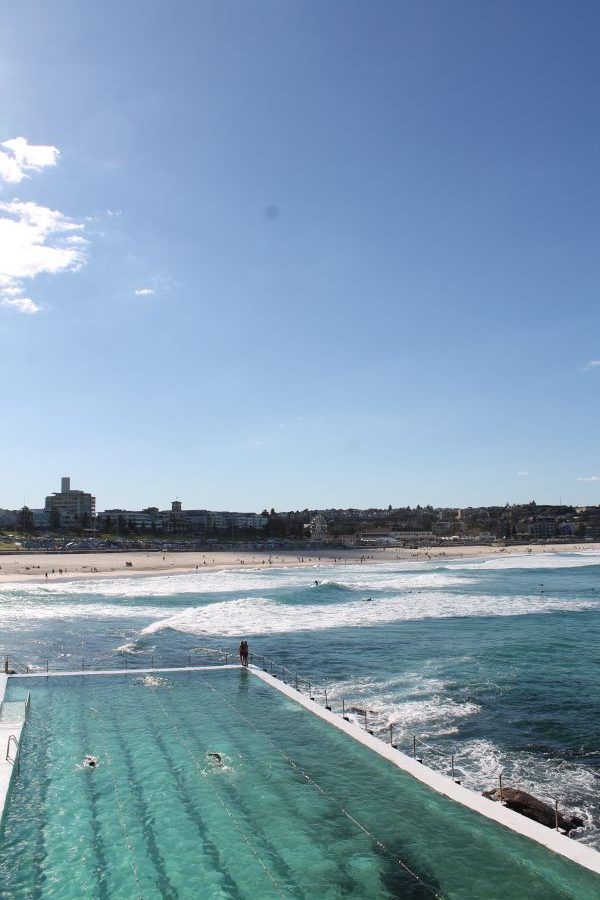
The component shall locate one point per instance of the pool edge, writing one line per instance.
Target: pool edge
(572, 850)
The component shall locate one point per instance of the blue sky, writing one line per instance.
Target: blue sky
(292, 254)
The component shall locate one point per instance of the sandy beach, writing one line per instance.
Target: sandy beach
(27, 566)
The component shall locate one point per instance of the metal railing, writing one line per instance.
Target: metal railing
(361, 714)
(122, 659)
(552, 803)
(435, 750)
(12, 665)
(17, 754)
(302, 683)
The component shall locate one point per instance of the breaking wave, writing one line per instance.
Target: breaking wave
(259, 615)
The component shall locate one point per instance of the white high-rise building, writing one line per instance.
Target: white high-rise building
(74, 508)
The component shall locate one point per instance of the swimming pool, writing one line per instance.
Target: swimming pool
(296, 810)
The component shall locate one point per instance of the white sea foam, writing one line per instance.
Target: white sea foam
(412, 704)
(398, 581)
(25, 610)
(528, 561)
(387, 576)
(479, 763)
(151, 681)
(259, 615)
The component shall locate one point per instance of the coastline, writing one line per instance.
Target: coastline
(26, 566)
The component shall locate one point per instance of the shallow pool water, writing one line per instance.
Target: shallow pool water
(296, 809)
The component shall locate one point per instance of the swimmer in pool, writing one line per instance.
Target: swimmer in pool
(215, 757)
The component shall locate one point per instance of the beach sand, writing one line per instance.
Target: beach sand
(26, 566)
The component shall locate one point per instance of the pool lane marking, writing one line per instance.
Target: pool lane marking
(91, 788)
(167, 890)
(223, 804)
(310, 780)
(124, 825)
(282, 869)
(211, 849)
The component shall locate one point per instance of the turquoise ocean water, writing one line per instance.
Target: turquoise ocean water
(494, 659)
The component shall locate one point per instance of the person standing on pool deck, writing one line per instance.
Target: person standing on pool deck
(244, 653)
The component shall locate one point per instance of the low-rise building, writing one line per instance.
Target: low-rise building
(543, 527)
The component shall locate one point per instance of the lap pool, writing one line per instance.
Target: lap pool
(297, 809)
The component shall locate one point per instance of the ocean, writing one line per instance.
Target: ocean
(494, 660)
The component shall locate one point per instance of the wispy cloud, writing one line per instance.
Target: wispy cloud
(144, 292)
(35, 240)
(588, 478)
(19, 158)
(522, 474)
(591, 365)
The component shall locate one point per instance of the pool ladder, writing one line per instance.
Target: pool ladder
(17, 752)
(13, 739)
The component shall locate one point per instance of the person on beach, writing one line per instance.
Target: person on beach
(244, 653)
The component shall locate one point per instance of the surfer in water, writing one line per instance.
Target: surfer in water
(316, 583)
(368, 600)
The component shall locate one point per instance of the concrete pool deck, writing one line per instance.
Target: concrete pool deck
(7, 760)
(553, 840)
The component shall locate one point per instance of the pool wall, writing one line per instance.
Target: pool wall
(441, 784)
(7, 761)
(553, 840)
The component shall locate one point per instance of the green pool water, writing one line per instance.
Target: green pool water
(297, 810)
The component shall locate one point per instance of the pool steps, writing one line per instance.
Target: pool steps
(553, 840)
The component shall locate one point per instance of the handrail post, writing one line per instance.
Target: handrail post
(391, 734)
(556, 814)
(296, 682)
(125, 662)
(153, 660)
(310, 693)
(452, 765)
(327, 706)
(414, 746)
(46, 667)
(189, 661)
(227, 655)
(500, 780)
(82, 663)
(344, 716)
